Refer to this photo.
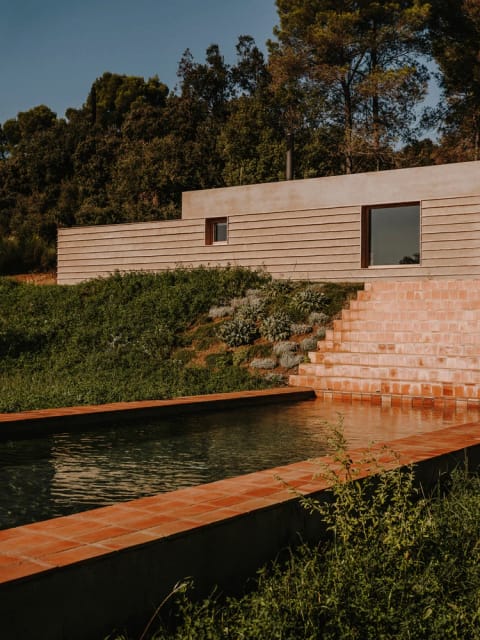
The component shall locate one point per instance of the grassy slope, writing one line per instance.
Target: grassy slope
(130, 337)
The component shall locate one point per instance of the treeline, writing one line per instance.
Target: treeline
(346, 79)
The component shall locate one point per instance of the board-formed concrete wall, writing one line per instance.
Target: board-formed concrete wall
(301, 229)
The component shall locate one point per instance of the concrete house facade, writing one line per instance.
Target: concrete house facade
(407, 224)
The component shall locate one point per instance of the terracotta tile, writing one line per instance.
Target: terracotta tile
(214, 515)
(26, 541)
(136, 523)
(253, 503)
(98, 535)
(20, 570)
(227, 501)
(77, 554)
(7, 560)
(169, 529)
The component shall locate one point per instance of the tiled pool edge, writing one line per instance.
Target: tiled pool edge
(41, 421)
(80, 576)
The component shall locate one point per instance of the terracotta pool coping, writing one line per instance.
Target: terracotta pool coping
(39, 421)
(30, 550)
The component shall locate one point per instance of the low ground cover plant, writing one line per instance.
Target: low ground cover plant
(137, 336)
(396, 564)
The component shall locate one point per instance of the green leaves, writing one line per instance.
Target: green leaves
(112, 339)
(363, 59)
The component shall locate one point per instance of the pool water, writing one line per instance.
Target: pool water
(68, 472)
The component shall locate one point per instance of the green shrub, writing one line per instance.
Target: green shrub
(310, 299)
(276, 327)
(290, 360)
(238, 331)
(284, 347)
(299, 329)
(264, 363)
(309, 344)
(222, 359)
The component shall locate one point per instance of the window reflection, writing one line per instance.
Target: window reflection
(394, 235)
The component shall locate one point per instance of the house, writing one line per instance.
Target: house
(405, 224)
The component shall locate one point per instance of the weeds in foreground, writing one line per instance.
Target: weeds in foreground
(395, 564)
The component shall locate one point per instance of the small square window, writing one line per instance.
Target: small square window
(391, 235)
(216, 231)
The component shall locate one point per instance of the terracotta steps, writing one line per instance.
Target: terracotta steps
(418, 339)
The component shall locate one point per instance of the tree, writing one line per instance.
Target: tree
(455, 38)
(112, 96)
(361, 57)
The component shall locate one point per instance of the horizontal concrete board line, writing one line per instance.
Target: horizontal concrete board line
(252, 257)
(432, 234)
(451, 201)
(427, 284)
(240, 252)
(318, 217)
(444, 230)
(344, 274)
(457, 222)
(433, 263)
(423, 271)
(312, 276)
(127, 227)
(235, 243)
(319, 236)
(285, 215)
(193, 235)
(326, 224)
(452, 210)
(197, 239)
(278, 263)
(438, 243)
(473, 220)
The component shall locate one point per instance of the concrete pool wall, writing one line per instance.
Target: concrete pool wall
(85, 575)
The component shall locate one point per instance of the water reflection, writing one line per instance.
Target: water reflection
(70, 472)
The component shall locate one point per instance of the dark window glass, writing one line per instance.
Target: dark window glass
(220, 231)
(394, 235)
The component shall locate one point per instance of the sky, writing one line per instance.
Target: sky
(51, 51)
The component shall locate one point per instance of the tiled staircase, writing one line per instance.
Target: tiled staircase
(415, 342)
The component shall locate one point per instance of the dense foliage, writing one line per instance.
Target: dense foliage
(397, 565)
(144, 336)
(346, 78)
(116, 339)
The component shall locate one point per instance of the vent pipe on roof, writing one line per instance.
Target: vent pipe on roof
(290, 168)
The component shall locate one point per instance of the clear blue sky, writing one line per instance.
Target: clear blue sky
(51, 51)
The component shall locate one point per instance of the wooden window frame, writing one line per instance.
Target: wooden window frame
(366, 230)
(210, 224)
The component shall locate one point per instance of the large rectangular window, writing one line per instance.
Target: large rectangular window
(391, 235)
(216, 230)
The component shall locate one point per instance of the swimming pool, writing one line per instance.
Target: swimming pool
(68, 472)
